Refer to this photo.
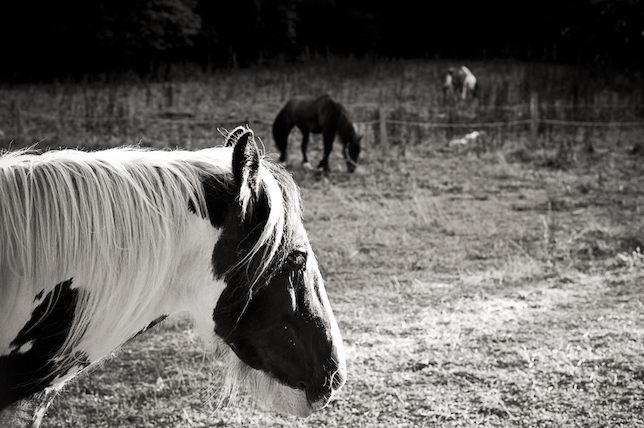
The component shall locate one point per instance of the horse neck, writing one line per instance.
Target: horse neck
(345, 130)
(129, 271)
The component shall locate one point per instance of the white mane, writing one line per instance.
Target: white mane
(110, 220)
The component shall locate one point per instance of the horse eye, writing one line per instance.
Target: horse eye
(296, 260)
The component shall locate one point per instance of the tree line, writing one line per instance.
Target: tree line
(42, 39)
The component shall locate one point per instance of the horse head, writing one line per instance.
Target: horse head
(131, 236)
(352, 152)
(274, 313)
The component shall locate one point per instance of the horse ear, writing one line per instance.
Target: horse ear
(246, 167)
(233, 136)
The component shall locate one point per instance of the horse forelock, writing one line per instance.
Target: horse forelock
(281, 225)
(110, 217)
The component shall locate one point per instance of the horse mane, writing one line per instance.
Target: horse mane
(345, 130)
(284, 201)
(112, 219)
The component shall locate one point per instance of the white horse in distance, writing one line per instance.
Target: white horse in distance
(460, 81)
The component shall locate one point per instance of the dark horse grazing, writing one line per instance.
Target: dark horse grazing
(319, 115)
(95, 247)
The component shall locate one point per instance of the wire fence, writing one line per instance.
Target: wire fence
(536, 122)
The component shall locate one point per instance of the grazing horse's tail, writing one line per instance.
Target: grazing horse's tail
(281, 128)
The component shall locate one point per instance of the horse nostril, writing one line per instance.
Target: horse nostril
(303, 386)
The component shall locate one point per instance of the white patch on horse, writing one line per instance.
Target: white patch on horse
(469, 83)
(190, 287)
(271, 395)
(281, 398)
(59, 381)
(459, 82)
(449, 80)
(25, 347)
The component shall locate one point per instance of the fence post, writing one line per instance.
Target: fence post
(18, 117)
(382, 116)
(534, 118)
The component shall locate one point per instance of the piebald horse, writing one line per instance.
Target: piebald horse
(460, 81)
(320, 115)
(97, 246)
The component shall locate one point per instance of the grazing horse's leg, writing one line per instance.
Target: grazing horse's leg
(282, 141)
(329, 136)
(281, 128)
(305, 144)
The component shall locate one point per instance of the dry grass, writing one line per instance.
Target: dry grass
(463, 299)
(100, 114)
(487, 290)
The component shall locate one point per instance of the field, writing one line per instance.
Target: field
(497, 288)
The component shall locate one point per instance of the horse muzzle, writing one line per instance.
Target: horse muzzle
(320, 399)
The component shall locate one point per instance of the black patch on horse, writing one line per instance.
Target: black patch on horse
(218, 195)
(25, 373)
(266, 331)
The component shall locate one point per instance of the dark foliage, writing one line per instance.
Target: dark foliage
(70, 39)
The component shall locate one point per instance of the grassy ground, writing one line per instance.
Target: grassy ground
(490, 290)
(470, 292)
